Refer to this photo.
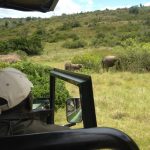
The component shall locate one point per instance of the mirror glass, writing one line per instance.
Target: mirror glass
(73, 110)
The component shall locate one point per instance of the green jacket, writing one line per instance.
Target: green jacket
(25, 124)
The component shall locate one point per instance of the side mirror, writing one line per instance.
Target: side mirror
(73, 110)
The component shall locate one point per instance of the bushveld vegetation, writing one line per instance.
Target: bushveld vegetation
(126, 31)
(122, 97)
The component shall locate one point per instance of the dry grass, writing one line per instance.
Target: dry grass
(121, 98)
(122, 102)
(10, 58)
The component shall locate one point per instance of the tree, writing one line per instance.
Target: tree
(6, 24)
(134, 10)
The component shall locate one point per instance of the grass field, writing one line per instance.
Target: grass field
(121, 98)
(122, 102)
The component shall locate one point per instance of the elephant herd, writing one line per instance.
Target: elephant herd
(106, 62)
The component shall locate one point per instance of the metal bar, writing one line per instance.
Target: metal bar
(52, 99)
(84, 83)
(70, 77)
(87, 101)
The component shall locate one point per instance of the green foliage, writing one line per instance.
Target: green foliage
(89, 61)
(73, 36)
(40, 31)
(74, 44)
(103, 28)
(129, 43)
(39, 76)
(101, 39)
(28, 19)
(98, 40)
(93, 30)
(69, 25)
(145, 36)
(58, 36)
(3, 47)
(134, 10)
(6, 24)
(32, 45)
(135, 60)
(147, 21)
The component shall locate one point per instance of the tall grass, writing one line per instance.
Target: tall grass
(122, 102)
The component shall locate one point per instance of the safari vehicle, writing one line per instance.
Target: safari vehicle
(77, 109)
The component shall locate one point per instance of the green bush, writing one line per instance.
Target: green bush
(3, 46)
(96, 42)
(134, 10)
(89, 61)
(74, 44)
(61, 36)
(57, 36)
(105, 40)
(73, 36)
(134, 60)
(144, 37)
(147, 21)
(39, 76)
(69, 25)
(31, 45)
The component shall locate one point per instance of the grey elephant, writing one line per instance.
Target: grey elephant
(110, 61)
(72, 67)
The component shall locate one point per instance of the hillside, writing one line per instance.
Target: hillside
(99, 32)
(93, 29)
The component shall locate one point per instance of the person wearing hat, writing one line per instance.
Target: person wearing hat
(16, 115)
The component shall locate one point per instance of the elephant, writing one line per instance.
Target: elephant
(72, 67)
(110, 61)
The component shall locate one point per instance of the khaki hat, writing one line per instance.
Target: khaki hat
(14, 87)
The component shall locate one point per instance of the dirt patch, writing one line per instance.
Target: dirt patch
(10, 58)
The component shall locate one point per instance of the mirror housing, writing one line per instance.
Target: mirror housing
(73, 110)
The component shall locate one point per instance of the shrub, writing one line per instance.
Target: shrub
(135, 61)
(96, 42)
(6, 24)
(69, 25)
(31, 45)
(40, 31)
(57, 36)
(73, 36)
(74, 44)
(147, 21)
(39, 76)
(89, 61)
(3, 46)
(105, 40)
(144, 37)
(134, 10)
(60, 36)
